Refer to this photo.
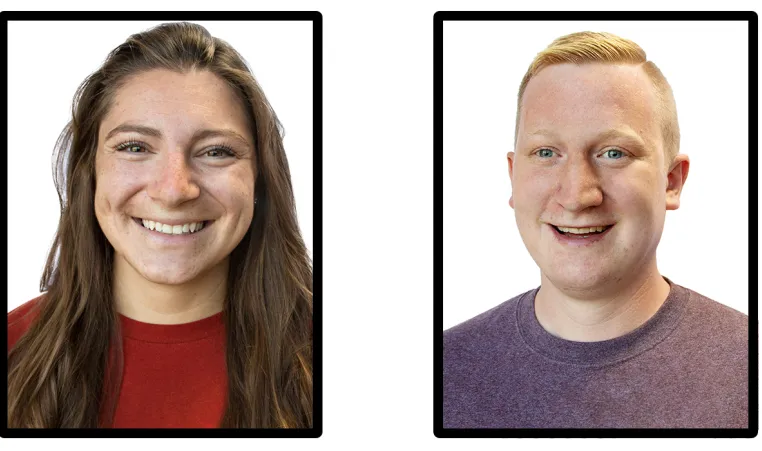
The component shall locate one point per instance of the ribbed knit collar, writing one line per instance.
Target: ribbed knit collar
(598, 353)
(172, 333)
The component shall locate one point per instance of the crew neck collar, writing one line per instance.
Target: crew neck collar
(172, 333)
(596, 353)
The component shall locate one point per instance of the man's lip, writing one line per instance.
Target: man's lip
(582, 226)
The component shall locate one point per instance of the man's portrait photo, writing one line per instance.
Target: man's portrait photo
(595, 225)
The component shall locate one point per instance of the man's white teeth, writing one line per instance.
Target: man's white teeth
(582, 230)
(173, 230)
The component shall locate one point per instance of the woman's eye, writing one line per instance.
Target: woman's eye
(545, 153)
(136, 147)
(614, 154)
(220, 152)
(130, 147)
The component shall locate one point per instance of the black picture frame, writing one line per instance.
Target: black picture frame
(508, 16)
(317, 48)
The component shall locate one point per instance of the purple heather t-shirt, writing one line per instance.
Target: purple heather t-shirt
(686, 367)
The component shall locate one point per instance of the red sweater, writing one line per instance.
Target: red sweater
(174, 375)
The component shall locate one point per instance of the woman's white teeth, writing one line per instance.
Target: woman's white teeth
(582, 230)
(173, 230)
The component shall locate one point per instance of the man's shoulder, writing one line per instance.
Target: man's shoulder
(21, 318)
(486, 327)
(715, 320)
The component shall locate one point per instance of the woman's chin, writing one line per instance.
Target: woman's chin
(169, 275)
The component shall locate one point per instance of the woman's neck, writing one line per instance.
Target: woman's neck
(155, 303)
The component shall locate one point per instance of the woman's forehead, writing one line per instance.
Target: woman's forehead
(165, 99)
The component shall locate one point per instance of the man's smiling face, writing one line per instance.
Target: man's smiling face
(589, 152)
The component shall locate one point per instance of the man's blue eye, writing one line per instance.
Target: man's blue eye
(545, 153)
(617, 154)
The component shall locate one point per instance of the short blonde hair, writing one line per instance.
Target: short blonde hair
(589, 47)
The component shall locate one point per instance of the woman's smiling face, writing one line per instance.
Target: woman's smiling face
(175, 148)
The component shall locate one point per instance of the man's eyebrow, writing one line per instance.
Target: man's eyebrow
(544, 132)
(198, 135)
(626, 135)
(613, 133)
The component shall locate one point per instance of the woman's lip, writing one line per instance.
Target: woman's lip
(205, 221)
(139, 222)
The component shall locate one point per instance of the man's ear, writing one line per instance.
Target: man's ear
(510, 175)
(676, 177)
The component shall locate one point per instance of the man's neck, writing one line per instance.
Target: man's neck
(154, 303)
(604, 315)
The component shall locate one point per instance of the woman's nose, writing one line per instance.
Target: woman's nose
(174, 179)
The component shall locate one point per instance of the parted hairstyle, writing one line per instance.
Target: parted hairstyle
(66, 371)
(589, 47)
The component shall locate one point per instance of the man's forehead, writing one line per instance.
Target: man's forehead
(581, 96)
(580, 81)
(616, 72)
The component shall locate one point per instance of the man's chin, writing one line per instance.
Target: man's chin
(580, 284)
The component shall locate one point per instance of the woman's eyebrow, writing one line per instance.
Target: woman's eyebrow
(127, 127)
(198, 135)
(208, 133)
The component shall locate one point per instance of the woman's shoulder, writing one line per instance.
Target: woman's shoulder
(21, 318)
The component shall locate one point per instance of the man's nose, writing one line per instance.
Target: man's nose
(579, 187)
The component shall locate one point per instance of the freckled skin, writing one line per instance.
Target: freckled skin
(173, 177)
(581, 184)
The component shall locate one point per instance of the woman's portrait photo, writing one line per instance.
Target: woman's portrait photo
(163, 276)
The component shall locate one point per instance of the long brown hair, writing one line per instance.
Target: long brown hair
(65, 372)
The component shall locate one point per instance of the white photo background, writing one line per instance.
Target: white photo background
(46, 63)
(705, 243)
